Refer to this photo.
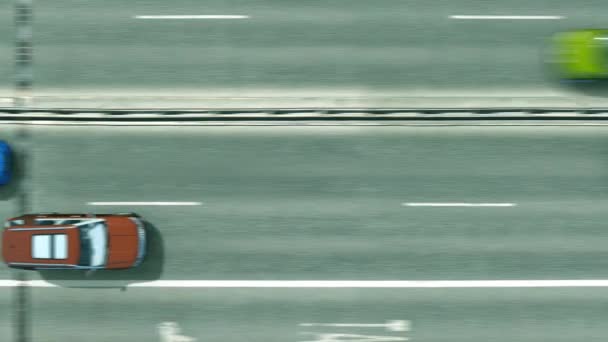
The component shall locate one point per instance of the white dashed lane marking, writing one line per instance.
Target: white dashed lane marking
(507, 17)
(181, 17)
(456, 204)
(145, 203)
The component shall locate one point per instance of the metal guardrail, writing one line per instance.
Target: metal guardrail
(236, 114)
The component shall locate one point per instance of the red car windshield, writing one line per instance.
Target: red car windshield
(93, 244)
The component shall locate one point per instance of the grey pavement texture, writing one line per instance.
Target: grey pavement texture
(6, 50)
(294, 53)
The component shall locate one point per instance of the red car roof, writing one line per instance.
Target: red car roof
(17, 244)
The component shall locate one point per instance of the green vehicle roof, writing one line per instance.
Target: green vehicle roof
(582, 53)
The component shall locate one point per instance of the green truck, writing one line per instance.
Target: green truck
(582, 54)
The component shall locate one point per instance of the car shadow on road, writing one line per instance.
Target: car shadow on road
(591, 88)
(150, 269)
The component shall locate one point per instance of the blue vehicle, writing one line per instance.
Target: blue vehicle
(6, 156)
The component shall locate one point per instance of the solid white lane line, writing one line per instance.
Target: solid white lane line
(326, 283)
(507, 17)
(30, 283)
(370, 284)
(456, 204)
(145, 203)
(190, 17)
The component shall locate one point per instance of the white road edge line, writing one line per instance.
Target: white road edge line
(145, 203)
(456, 204)
(191, 17)
(323, 283)
(507, 17)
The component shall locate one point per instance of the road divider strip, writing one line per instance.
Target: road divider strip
(366, 284)
(137, 117)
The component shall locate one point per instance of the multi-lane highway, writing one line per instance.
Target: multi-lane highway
(320, 203)
(292, 53)
(327, 203)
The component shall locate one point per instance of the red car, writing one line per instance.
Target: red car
(74, 241)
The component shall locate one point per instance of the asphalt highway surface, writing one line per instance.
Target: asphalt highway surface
(273, 53)
(6, 52)
(325, 203)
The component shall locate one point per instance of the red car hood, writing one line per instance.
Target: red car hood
(123, 242)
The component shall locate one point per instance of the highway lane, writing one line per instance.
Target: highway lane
(474, 315)
(327, 202)
(293, 53)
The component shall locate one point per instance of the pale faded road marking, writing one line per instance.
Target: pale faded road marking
(145, 203)
(456, 204)
(507, 17)
(323, 283)
(178, 17)
(397, 325)
(172, 332)
(341, 337)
